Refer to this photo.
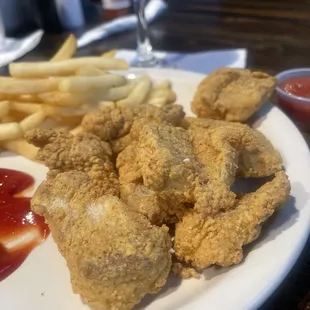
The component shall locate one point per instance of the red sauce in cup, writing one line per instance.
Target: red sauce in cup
(296, 108)
(21, 230)
(298, 86)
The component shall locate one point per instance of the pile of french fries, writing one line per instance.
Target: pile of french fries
(59, 92)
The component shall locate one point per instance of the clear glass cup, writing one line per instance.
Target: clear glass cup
(2, 33)
(145, 56)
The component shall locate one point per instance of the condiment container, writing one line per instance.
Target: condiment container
(296, 107)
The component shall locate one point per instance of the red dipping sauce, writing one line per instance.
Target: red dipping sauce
(293, 95)
(21, 230)
(298, 86)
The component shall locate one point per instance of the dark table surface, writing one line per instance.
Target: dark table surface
(276, 34)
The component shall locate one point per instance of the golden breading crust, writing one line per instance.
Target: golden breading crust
(232, 94)
(232, 147)
(161, 177)
(111, 190)
(114, 255)
(113, 124)
(204, 241)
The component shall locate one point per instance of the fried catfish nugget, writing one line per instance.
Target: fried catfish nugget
(62, 151)
(204, 241)
(114, 255)
(229, 149)
(232, 94)
(114, 124)
(161, 177)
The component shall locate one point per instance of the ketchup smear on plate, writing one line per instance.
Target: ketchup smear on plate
(21, 230)
(298, 86)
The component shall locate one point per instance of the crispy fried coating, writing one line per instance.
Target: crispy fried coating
(120, 144)
(204, 241)
(232, 94)
(84, 152)
(184, 272)
(108, 123)
(112, 124)
(161, 177)
(229, 149)
(113, 187)
(114, 255)
(110, 268)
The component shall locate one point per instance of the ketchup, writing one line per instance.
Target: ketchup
(21, 230)
(297, 109)
(298, 86)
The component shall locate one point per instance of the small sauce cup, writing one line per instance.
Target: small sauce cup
(296, 107)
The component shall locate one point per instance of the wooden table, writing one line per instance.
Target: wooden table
(276, 35)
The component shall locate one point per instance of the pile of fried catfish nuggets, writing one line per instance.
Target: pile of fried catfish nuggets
(117, 193)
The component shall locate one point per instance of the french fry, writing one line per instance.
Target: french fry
(66, 99)
(83, 84)
(104, 104)
(67, 112)
(165, 84)
(64, 67)
(158, 101)
(90, 71)
(4, 108)
(22, 147)
(14, 86)
(69, 99)
(20, 97)
(67, 50)
(163, 93)
(28, 98)
(60, 128)
(77, 130)
(138, 94)
(109, 54)
(10, 131)
(10, 118)
(172, 96)
(4, 97)
(118, 93)
(27, 107)
(32, 121)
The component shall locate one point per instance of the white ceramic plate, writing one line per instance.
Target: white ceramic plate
(244, 286)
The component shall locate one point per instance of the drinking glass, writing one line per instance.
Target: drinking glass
(145, 56)
(2, 33)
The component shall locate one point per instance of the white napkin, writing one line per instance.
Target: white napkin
(202, 62)
(16, 48)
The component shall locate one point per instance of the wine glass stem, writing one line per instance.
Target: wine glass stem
(144, 47)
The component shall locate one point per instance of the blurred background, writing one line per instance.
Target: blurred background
(56, 16)
(22, 16)
(279, 29)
